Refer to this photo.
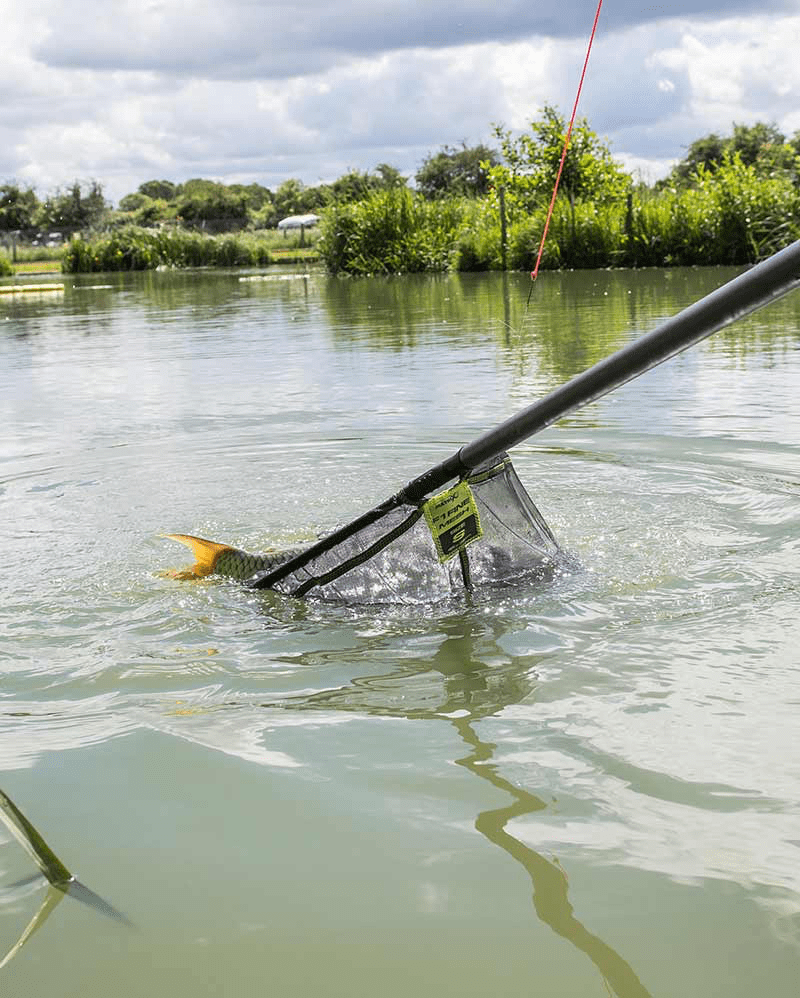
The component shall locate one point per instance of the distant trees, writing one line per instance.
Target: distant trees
(18, 207)
(761, 146)
(453, 172)
(158, 190)
(293, 198)
(209, 205)
(73, 209)
(389, 177)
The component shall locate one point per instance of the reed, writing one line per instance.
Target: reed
(135, 248)
(730, 216)
(50, 866)
(391, 232)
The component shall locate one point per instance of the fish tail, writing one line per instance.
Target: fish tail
(206, 552)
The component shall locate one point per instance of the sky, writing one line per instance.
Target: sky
(242, 91)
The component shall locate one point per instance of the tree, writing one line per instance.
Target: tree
(210, 205)
(139, 209)
(133, 202)
(762, 146)
(353, 186)
(357, 185)
(390, 178)
(158, 189)
(704, 153)
(72, 209)
(18, 207)
(255, 195)
(294, 198)
(456, 172)
(759, 144)
(532, 161)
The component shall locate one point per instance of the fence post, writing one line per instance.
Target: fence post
(629, 251)
(501, 194)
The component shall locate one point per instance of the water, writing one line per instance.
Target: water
(588, 788)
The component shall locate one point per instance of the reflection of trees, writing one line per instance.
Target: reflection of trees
(463, 690)
(51, 899)
(574, 318)
(213, 295)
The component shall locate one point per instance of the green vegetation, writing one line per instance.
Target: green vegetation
(134, 248)
(732, 199)
(532, 162)
(460, 172)
(730, 216)
(6, 270)
(391, 232)
(761, 146)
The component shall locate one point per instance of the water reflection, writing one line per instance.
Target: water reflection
(52, 898)
(574, 319)
(468, 691)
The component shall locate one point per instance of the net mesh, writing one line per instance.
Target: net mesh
(394, 559)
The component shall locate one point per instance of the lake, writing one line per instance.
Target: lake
(583, 787)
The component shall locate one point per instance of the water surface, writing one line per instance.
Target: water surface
(577, 789)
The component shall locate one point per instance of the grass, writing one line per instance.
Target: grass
(37, 267)
(30, 259)
(305, 255)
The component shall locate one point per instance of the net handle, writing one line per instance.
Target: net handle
(756, 287)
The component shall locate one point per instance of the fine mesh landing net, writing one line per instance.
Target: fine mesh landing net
(395, 557)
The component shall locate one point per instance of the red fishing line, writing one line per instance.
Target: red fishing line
(535, 270)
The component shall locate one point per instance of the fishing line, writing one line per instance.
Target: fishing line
(567, 137)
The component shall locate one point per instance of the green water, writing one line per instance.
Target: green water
(587, 788)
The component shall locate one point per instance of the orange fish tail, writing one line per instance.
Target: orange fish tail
(206, 552)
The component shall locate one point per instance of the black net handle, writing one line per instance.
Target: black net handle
(756, 287)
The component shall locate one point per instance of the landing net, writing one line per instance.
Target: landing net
(485, 531)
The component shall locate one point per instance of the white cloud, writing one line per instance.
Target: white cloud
(254, 91)
(240, 39)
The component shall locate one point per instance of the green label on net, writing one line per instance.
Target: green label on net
(453, 520)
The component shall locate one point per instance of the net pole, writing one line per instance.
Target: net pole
(756, 287)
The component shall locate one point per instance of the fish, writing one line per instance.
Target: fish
(213, 558)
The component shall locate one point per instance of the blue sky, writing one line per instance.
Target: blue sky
(247, 90)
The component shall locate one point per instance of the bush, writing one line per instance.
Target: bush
(134, 248)
(755, 215)
(6, 270)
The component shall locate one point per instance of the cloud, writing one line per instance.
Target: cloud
(242, 39)
(242, 91)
